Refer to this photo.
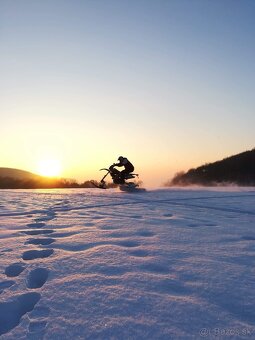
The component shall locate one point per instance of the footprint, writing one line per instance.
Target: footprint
(12, 312)
(108, 228)
(42, 241)
(36, 254)
(66, 234)
(128, 243)
(8, 250)
(145, 233)
(38, 232)
(139, 253)
(154, 268)
(97, 217)
(37, 278)
(168, 215)
(137, 216)
(248, 238)
(14, 270)
(83, 214)
(196, 225)
(36, 225)
(50, 215)
(89, 224)
(193, 225)
(6, 284)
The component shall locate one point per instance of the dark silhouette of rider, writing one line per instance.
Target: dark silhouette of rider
(128, 168)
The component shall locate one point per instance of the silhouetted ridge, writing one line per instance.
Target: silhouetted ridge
(238, 169)
(18, 174)
(20, 179)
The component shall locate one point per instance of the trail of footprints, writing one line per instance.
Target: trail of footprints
(12, 311)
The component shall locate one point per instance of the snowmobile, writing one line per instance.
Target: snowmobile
(117, 179)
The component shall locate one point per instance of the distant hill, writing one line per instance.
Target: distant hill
(18, 174)
(20, 179)
(238, 169)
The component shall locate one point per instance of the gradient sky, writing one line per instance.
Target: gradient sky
(167, 83)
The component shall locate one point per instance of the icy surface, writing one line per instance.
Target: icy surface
(162, 264)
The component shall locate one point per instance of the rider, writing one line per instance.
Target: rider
(128, 168)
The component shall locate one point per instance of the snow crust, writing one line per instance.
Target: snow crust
(161, 264)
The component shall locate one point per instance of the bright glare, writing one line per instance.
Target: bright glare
(49, 168)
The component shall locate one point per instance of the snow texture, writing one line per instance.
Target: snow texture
(161, 264)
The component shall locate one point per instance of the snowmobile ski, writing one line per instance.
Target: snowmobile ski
(99, 186)
(131, 188)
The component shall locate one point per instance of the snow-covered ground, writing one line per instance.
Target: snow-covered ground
(162, 264)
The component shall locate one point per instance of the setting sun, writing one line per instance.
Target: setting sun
(49, 168)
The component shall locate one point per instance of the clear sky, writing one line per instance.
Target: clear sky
(167, 83)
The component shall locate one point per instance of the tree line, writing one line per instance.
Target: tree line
(45, 183)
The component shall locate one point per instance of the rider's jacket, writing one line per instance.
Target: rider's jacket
(127, 165)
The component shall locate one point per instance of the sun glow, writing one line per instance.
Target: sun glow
(49, 168)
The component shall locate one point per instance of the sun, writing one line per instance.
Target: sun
(49, 168)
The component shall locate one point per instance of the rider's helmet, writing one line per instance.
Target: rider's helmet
(120, 158)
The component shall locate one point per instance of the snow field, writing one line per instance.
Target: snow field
(91, 264)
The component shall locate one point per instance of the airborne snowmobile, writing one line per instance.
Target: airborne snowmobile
(117, 179)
